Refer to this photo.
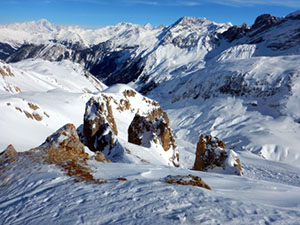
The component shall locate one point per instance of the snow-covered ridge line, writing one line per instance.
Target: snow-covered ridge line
(43, 31)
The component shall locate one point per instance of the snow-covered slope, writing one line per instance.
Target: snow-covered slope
(251, 102)
(240, 84)
(266, 194)
(37, 97)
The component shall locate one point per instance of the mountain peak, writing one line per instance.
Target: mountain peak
(186, 20)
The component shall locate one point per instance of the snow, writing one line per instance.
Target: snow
(256, 115)
(268, 191)
(42, 32)
(60, 90)
(47, 196)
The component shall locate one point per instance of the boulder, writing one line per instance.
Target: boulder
(211, 154)
(100, 129)
(154, 128)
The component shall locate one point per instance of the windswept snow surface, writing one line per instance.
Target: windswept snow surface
(45, 195)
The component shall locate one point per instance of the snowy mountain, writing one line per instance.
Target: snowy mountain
(87, 153)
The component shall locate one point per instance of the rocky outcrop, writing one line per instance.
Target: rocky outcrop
(154, 128)
(211, 155)
(8, 156)
(5, 71)
(264, 21)
(64, 145)
(187, 180)
(64, 149)
(9, 152)
(121, 111)
(100, 129)
(235, 32)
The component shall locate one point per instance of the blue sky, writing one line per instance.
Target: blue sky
(96, 13)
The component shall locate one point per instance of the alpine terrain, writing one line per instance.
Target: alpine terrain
(192, 123)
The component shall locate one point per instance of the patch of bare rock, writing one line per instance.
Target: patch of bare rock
(187, 180)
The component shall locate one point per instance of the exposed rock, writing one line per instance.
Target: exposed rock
(263, 23)
(187, 180)
(265, 20)
(64, 149)
(9, 152)
(129, 93)
(153, 129)
(122, 179)
(64, 145)
(100, 129)
(211, 153)
(33, 106)
(100, 157)
(294, 15)
(235, 32)
(46, 114)
(28, 115)
(37, 116)
(6, 71)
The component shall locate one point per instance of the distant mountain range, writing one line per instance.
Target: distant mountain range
(148, 55)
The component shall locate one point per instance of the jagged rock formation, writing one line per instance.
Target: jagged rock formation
(64, 149)
(130, 115)
(100, 129)
(187, 180)
(211, 153)
(153, 129)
